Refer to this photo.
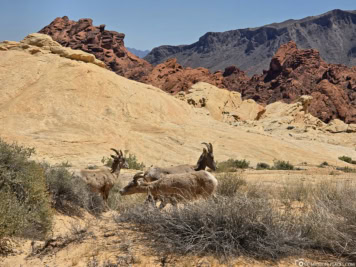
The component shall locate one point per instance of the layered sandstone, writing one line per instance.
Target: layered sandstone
(107, 46)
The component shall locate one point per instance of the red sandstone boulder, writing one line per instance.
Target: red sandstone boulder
(294, 72)
(172, 77)
(107, 46)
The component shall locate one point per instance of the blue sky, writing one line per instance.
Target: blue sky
(150, 23)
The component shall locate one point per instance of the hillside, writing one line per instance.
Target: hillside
(74, 110)
(251, 49)
(292, 71)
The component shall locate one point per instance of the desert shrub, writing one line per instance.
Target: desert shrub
(330, 221)
(224, 227)
(294, 191)
(282, 165)
(346, 159)
(229, 183)
(262, 166)
(231, 165)
(70, 193)
(323, 164)
(25, 208)
(243, 225)
(132, 160)
(346, 169)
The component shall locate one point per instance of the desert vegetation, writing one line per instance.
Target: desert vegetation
(31, 191)
(347, 159)
(249, 219)
(25, 205)
(231, 165)
(256, 221)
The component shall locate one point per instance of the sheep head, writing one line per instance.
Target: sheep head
(206, 158)
(119, 161)
(134, 186)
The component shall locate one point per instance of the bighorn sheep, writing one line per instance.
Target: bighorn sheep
(103, 179)
(205, 159)
(174, 187)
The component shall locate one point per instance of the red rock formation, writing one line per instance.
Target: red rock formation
(108, 46)
(294, 72)
(172, 77)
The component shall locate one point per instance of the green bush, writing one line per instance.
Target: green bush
(25, 208)
(232, 165)
(323, 164)
(262, 166)
(346, 159)
(70, 193)
(282, 165)
(132, 160)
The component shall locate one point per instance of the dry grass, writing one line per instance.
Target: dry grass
(245, 220)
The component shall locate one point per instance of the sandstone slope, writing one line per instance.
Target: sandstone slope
(74, 110)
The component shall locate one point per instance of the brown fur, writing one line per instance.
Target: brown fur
(177, 187)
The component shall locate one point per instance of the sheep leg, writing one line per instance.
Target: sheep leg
(150, 200)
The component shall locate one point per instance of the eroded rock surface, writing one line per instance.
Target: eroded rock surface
(107, 46)
(294, 72)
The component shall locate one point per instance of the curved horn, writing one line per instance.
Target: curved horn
(121, 153)
(207, 145)
(117, 152)
(137, 176)
(211, 148)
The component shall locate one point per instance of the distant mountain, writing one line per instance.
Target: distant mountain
(332, 33)
(137, 52)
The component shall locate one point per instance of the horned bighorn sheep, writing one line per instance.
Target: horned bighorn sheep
(174, 187)
(206, 159)
(103, 179)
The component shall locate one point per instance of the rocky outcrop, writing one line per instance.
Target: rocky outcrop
(251, 49)
(172, 77)
(294, 72)
(40, 43)
(107, 46)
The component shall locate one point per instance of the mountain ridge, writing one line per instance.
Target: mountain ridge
(138, 52)
(251, 49)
